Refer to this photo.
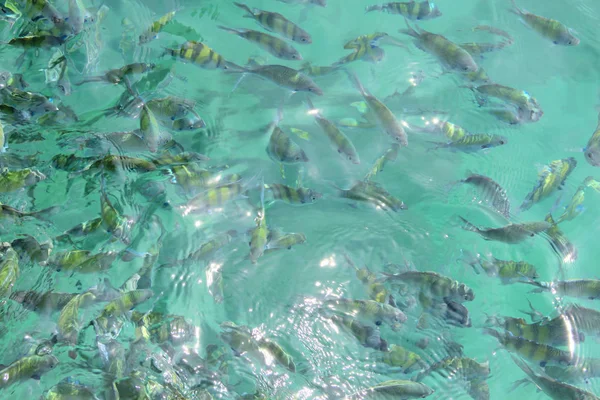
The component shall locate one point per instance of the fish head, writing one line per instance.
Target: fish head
(303, 37)
(147, 37)
(567, 38)
(34, 177)
(465, 292)
(498, 141)
(292, 54)
(434, 10)
(312, 88)
(465, 63)
(592, 155)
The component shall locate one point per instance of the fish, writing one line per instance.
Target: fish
(457, 367)
(82, 261)
(509, 271)
(284, 77)
(550, 179)
(30, 250)
(292, 195)
(446, 128)
(552, 388)
(366, 310)
(385, 118)
(277, 352)
(43, 303)
(558, 331)
(69, 391)
(150, 130)
(477, 49)
(160, 328)
(273, 45)
(277, 23)
(9, 269)
(449, 54)
(579, 288)
(371, 192)
(68, 324)
(367, 335)
(479, 390)
(317, 70)
(107, 321)
(539, 353)
(591, 151)
(561, 245)
(212, 198)
(32, 366)
(116, 224)
(322, 3)
(550, 29)
(151, 33)
(259, 235)
(36, 42)
(200, 55)
(575, 206)
(278, 241)
(398, 356)
(10, 213)
(528, 108)
(170, 108)
(118, 75)
(337, 138)
(38, 9)
(473, 142)
(511, 233)
(413, 10)
(375, 288)
(35, 104)
(365, 52)
(433, 285)
(390, 155)
(282, 148)
(491, 192)
(400, 389)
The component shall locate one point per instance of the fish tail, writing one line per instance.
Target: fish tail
(373, 8)
(246, 8)
(410, 31)
(231, 30)
(354, 79)
(90, 79)
(45, 213)
(523, 365)
(310, 104)
(492, 332)
(469, 226)
(515, 9)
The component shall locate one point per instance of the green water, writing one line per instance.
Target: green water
(284, 295)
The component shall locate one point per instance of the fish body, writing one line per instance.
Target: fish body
(369, 40)
(367, 310)
(113, 311)
(477, 49)
(36, 42)
(114, 163)
(539, 353)
(112, 220)
(560, 243)
(38, 9)
(150, 130)
(580, 288)
(366, 335)
(25, 368)
(586, 320)
(365, 52)
(390, 155)
(85, 228)
(509, 271)
(371, 192)
(413, 10)
(527, 106)
(433, 284)
(592, 150)
(277, 352)
(170, 108)
(552, 177)
(153, 30)
(398, 389)
(551, 29)
(68, 324)
(275, 46)
(552, 388)
(277, 23)
(43, 303)
(475, 142)
(398, 356)
(491, 191)
(285, 241)
(9, 269)
(321, 3)
(215, 197)
(557, 332)
(33, 103)
(292, 195)
(200, 55)
(384, 116)
(160, 328)
(282, 149)
(459, 367)
(316, 70)
(575, 206)
(69, 391)
(259, 236)
(511, 233)
(449, 54)
(116, 76)
(337, 138)
(285, 77)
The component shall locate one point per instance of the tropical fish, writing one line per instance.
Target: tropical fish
(474, 142)
(395, 389)
(259, 235)
(275, 46)
(366, 310)
(449, 54)
(27, 367)
(282, 149)
(285, 77)
(337, 138)
(580, 288)
(201, 55)
(9, 269)
(551, 178)
(509, 271)
(371, 192)
(277, 352)
(44, 303)
(277, 23)
(433, 285)
(68, 324)
(365, 52)
(528, 108)
(511, 233)
(398, 356)
(283, 241)
(152, 32)
(560, 243)
(592, 150)
(477, 49)
(532, 351)
(366, 335)
(321, 3)
(118, 75)
(413, 10)
(390, 155)
(558, 331)
(292, 195)
(385, 118)
(548, 28)
(113, 311)
(457, 367)
(69, 391)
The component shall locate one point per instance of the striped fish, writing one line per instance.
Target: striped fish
(277, 47)
(277, 23)
(412, 10)
(291, 195)
(152, 32)
(491, 192)
(473, 142)
(199, 54)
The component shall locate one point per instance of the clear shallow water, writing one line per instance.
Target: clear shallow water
(281, 296)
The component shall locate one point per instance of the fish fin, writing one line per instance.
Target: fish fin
(231, 30)
(469, 226)
(518, 383)
(410, 31)
(354, 79)
(516, 9)
(247, 9)
(373, 8)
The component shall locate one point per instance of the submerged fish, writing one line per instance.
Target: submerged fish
(292, 195)
(473, 142)
(592, 150)
(399, 389)
(491, 191)
(271, 44)
(413, 10)
(285, 77)
(433, 285)
(27, 367)
(371, 192)
(153, 30)
(548, 28)
(551, 178)
(277, 23)
(511, 233)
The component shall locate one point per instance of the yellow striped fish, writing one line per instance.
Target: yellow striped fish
(277, 23)
(277, 47)
(412, 10)
(152, 32)
(201, 55)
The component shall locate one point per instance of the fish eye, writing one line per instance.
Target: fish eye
(314, 198)
(555, 42)
(378, 323)
(350, 158)
(297, 158)
(502, 142)
(569, 42)
(303, 39)
(532, 234)
(339, 151)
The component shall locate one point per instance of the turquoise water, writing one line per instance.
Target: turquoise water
(179, 191)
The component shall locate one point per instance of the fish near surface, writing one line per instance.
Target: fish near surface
(511, 233)
(551, 178)
(551, 29)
